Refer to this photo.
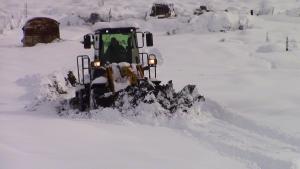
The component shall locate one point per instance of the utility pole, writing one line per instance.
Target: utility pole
(109, 15)
(26, 10)
(251, 12)
(287, 44)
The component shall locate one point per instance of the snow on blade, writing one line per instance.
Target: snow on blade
(163, 97)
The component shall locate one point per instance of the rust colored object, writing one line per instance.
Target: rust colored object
(40, 30)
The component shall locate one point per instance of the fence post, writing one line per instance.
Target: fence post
(267, 37)
(109, 15)
(26, 9)
(287, 44)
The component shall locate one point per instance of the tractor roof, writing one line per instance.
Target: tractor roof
(114, 26)
(115, 30)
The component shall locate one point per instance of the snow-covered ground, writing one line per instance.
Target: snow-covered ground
(251, 84)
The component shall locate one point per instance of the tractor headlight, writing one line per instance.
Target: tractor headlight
(96, 64)
(152, 61)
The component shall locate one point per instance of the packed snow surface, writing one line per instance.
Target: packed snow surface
(249, 120)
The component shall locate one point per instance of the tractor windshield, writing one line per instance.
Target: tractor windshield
(117, 47)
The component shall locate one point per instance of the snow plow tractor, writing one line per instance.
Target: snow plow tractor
(121, 76)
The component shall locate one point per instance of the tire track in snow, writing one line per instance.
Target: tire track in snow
(242, 139)
(219, 113)
(254, 150)
(254, 160)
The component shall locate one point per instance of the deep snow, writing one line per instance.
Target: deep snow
(250, 118)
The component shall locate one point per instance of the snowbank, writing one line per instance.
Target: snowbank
(71, 20)
(221, 21)
(270, 47)
(45, 90)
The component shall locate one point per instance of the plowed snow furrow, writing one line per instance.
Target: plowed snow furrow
(237, 137)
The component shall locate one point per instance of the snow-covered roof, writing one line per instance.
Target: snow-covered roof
(110, 25)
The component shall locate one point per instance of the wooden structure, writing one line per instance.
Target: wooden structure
(161, 10)
(201, 10)
(40, 30)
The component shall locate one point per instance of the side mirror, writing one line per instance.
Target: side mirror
(149, 39)
(87, 42)
(141, 38)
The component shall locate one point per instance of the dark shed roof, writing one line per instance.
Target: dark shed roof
(40, 30)
(46, 22)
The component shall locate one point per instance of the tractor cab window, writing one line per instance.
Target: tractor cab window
(117, 47)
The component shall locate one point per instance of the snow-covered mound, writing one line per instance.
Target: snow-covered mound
(270, 47)
(208, 22)
(45, 90)
(222, 21)
(71, 20)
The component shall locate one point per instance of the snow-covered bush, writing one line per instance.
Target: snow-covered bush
(221, 21)
(71, 20)
(44, 89)
(265, 8)
(9, 21)
(269, 47)
(293, 12)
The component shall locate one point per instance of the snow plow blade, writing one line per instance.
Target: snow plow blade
(148, 93)
(164, 95)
